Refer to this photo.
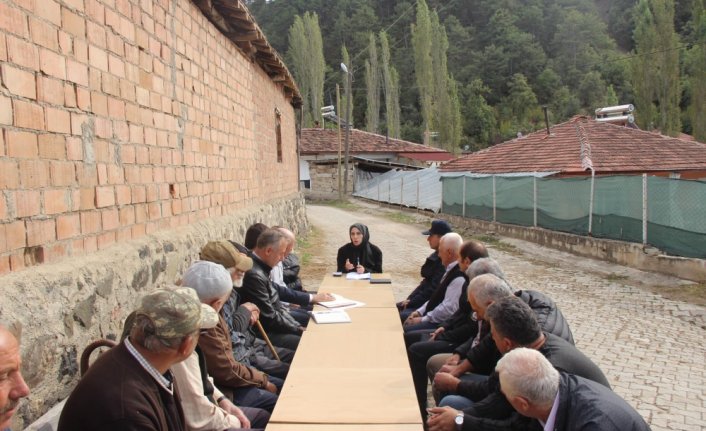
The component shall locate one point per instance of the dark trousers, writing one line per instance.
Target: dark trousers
(300, 315)
(258, 419)
(254, 397)
(288, 341)
(418, 354)
(264, 360)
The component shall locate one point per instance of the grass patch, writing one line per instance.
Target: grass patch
(344, 204)
(691, 293)
(494, 242)
(615, 277)
(307, 244)
(400, 218)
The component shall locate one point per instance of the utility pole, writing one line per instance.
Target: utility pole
(338, 109)
(348, 122)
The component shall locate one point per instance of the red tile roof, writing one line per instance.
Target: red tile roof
(321, 141)
(581, 142)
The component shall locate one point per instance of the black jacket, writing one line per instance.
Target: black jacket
(290, 272)
(432, 271)
(461, 326)
(372, 261)
(257, 289)
(583, 405)
(485, 355)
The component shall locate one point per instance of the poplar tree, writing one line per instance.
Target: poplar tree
(306, 55)
(372, 82)
(391, 88)
(346, 59)
(421, 42)
(697, 67)
(643, 75)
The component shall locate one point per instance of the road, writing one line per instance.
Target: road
(651, 349)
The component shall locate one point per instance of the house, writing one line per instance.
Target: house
(369, 154)
(580, 145)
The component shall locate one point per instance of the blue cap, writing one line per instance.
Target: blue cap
(438, 227)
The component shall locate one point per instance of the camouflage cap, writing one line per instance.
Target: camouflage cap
(224, 253)
(177, 312)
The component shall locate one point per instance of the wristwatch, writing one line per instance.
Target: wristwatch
(459, 421)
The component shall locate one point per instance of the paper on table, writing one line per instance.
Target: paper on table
(341, 302)
(356, 276)
(333, 316)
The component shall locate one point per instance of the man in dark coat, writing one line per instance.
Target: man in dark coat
(432, 271)
(281, 327)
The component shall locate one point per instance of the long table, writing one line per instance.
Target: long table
(351, 376)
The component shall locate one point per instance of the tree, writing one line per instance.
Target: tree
(372, 82)
(643, 75)
(421, 41)
(391, 86)
(697, 66)
(480, 117)
(592, 91)
(307, 59)
(521, 100)
(346, 59)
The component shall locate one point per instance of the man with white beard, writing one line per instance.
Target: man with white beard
(247, 348)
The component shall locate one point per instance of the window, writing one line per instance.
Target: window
(278, 132)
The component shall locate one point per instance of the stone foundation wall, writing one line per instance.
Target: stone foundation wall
(62, 307)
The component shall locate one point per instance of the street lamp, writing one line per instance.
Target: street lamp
(349, 80)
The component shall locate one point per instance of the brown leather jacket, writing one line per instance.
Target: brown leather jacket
(222, 366)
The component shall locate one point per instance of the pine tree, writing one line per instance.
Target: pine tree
(372, 82)
(391, 86)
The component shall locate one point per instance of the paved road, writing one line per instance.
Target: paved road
(651, 349)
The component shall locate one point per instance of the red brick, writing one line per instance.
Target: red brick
(68, 226)
(75, 4)
(26, 203)
(3, 48)
(17, 260)
(52, 146)
(138, 230)
(123, 194)
(67, 44)
(110, 84)
(90, 244)
(77, 72)
(50, 90)
(4, 264)
(105, 240)
(86, 174)
(40, 232)
(3, 215)
(77, 246)
(102, 171)
(5, 110)
(10, 178)
(115, 174)
(21, 144)
(75, 199)
(62, 173)
(55, 252)
(69, 95)
(90, 222)
(98, 58)
(152, 192)
(126, 215)
(27, 115)
(49, 10)
(88, 198)
(43, 34)
(19, 82)
(110, 219)
(34, 174)
(96, 34)
(117, 46)
(121, 235)
(83, 99)
(15, 235)
(99, 103)
(77, 122)
(116, 108)
(55, 202)
(52, 64)
(22, 53)
(74, 149)
(58, 120)
(73, 23)
(105, 196)
(13, 20)
(96, 11)
(140, 213)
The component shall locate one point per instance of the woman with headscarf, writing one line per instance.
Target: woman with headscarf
(359, 255)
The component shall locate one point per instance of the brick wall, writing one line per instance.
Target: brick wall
(119, 118)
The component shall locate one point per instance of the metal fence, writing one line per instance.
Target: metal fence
(669, 214)
(416, 189)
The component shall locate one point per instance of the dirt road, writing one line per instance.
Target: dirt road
(651, 349)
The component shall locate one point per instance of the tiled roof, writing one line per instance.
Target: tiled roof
(581, 142)
(323, 141)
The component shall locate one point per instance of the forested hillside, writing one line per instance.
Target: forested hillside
(505, 59)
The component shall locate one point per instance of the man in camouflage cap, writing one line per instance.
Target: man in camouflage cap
(130, 386)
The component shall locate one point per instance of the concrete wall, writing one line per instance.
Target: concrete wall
(131, 132)
(324, 179)
(623, 253)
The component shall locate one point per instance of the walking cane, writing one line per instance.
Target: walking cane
(267, 339)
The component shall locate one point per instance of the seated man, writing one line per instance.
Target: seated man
(282, 329)
(245, 385)
(444, 301)
(247, 348)
(12, 387)
(548, 399)
(130, 386)
(432, 271)
(513, 324)
(463, 325)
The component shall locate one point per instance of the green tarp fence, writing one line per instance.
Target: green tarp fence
(604, 207)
